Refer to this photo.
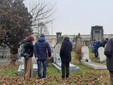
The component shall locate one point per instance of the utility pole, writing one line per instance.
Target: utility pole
(51, 28)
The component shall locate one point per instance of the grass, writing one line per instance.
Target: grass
(86, 76)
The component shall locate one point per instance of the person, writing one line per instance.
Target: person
(95, 48)
(65, 54)
(42, 52)
(109, 58)
(104, 42)
(28, 66)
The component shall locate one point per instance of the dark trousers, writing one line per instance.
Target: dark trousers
(96, 54)
(65, 69)
(111, 77)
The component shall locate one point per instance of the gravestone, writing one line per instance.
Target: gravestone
(86, 60)
(56, 55)
(20, 61)
(102, 57)
(85, 53)
(21, 69)
(57, 60)
(97, 33)
(78, 39)
(4, 52)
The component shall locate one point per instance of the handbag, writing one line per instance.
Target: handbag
(26, 55)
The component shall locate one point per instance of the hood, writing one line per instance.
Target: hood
(66, 38)
(41, 39)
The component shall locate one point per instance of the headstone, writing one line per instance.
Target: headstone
(102, 57)
(97, 33)
(20, 61)
(21, 69)
(86, 60)
(4, 52)
(58, 36)
(57, 60)
(85, 53)
(56, 55)
(78, 39)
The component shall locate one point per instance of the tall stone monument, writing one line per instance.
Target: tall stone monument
(56, 55)
(97, 33)
(58, 36)
(78, 39)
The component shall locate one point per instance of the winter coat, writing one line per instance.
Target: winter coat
(42, 49)
(109, 54)
(29, 48)
(95, 46)
(65, 51)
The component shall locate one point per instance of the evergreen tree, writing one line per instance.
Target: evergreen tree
(15, 25)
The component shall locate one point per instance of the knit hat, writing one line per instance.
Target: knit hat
(42, 35)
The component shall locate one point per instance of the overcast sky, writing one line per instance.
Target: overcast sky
(77, 16)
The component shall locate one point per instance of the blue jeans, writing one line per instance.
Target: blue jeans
(40, 73)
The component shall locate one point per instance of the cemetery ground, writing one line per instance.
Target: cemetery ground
(86, 76)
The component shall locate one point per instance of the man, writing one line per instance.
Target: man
(109, 58)
(95, 48)
(65, 54)
(42, 52)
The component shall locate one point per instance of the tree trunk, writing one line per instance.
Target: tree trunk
(13, 58)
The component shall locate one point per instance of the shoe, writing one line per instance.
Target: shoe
(43, 77)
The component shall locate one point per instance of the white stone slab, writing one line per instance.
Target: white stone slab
(21, 69)
(102, 57)
(93, 65)
(72, 68)
(21, 60)
(85, 53)
(57, 60)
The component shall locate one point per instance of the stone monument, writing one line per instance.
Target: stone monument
(102, 57)
(97, 33)
(57, 59)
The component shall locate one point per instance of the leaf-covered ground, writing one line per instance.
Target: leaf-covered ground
(86, 76)
(8, 76)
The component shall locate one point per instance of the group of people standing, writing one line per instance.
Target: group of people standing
(42, 52)
(97, 44)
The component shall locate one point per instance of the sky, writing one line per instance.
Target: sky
(77, 16)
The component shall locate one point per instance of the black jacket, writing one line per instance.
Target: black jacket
(109, 54)
(65, 51)
(29, 48)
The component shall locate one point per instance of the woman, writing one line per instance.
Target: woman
(65, 54)
(28, 66)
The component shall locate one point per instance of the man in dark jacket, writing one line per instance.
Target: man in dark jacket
(65, 54)
(42, 52)
(109, 61)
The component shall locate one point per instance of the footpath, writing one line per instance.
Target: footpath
(4, 61)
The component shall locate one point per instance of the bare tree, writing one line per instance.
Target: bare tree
(41, 17)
